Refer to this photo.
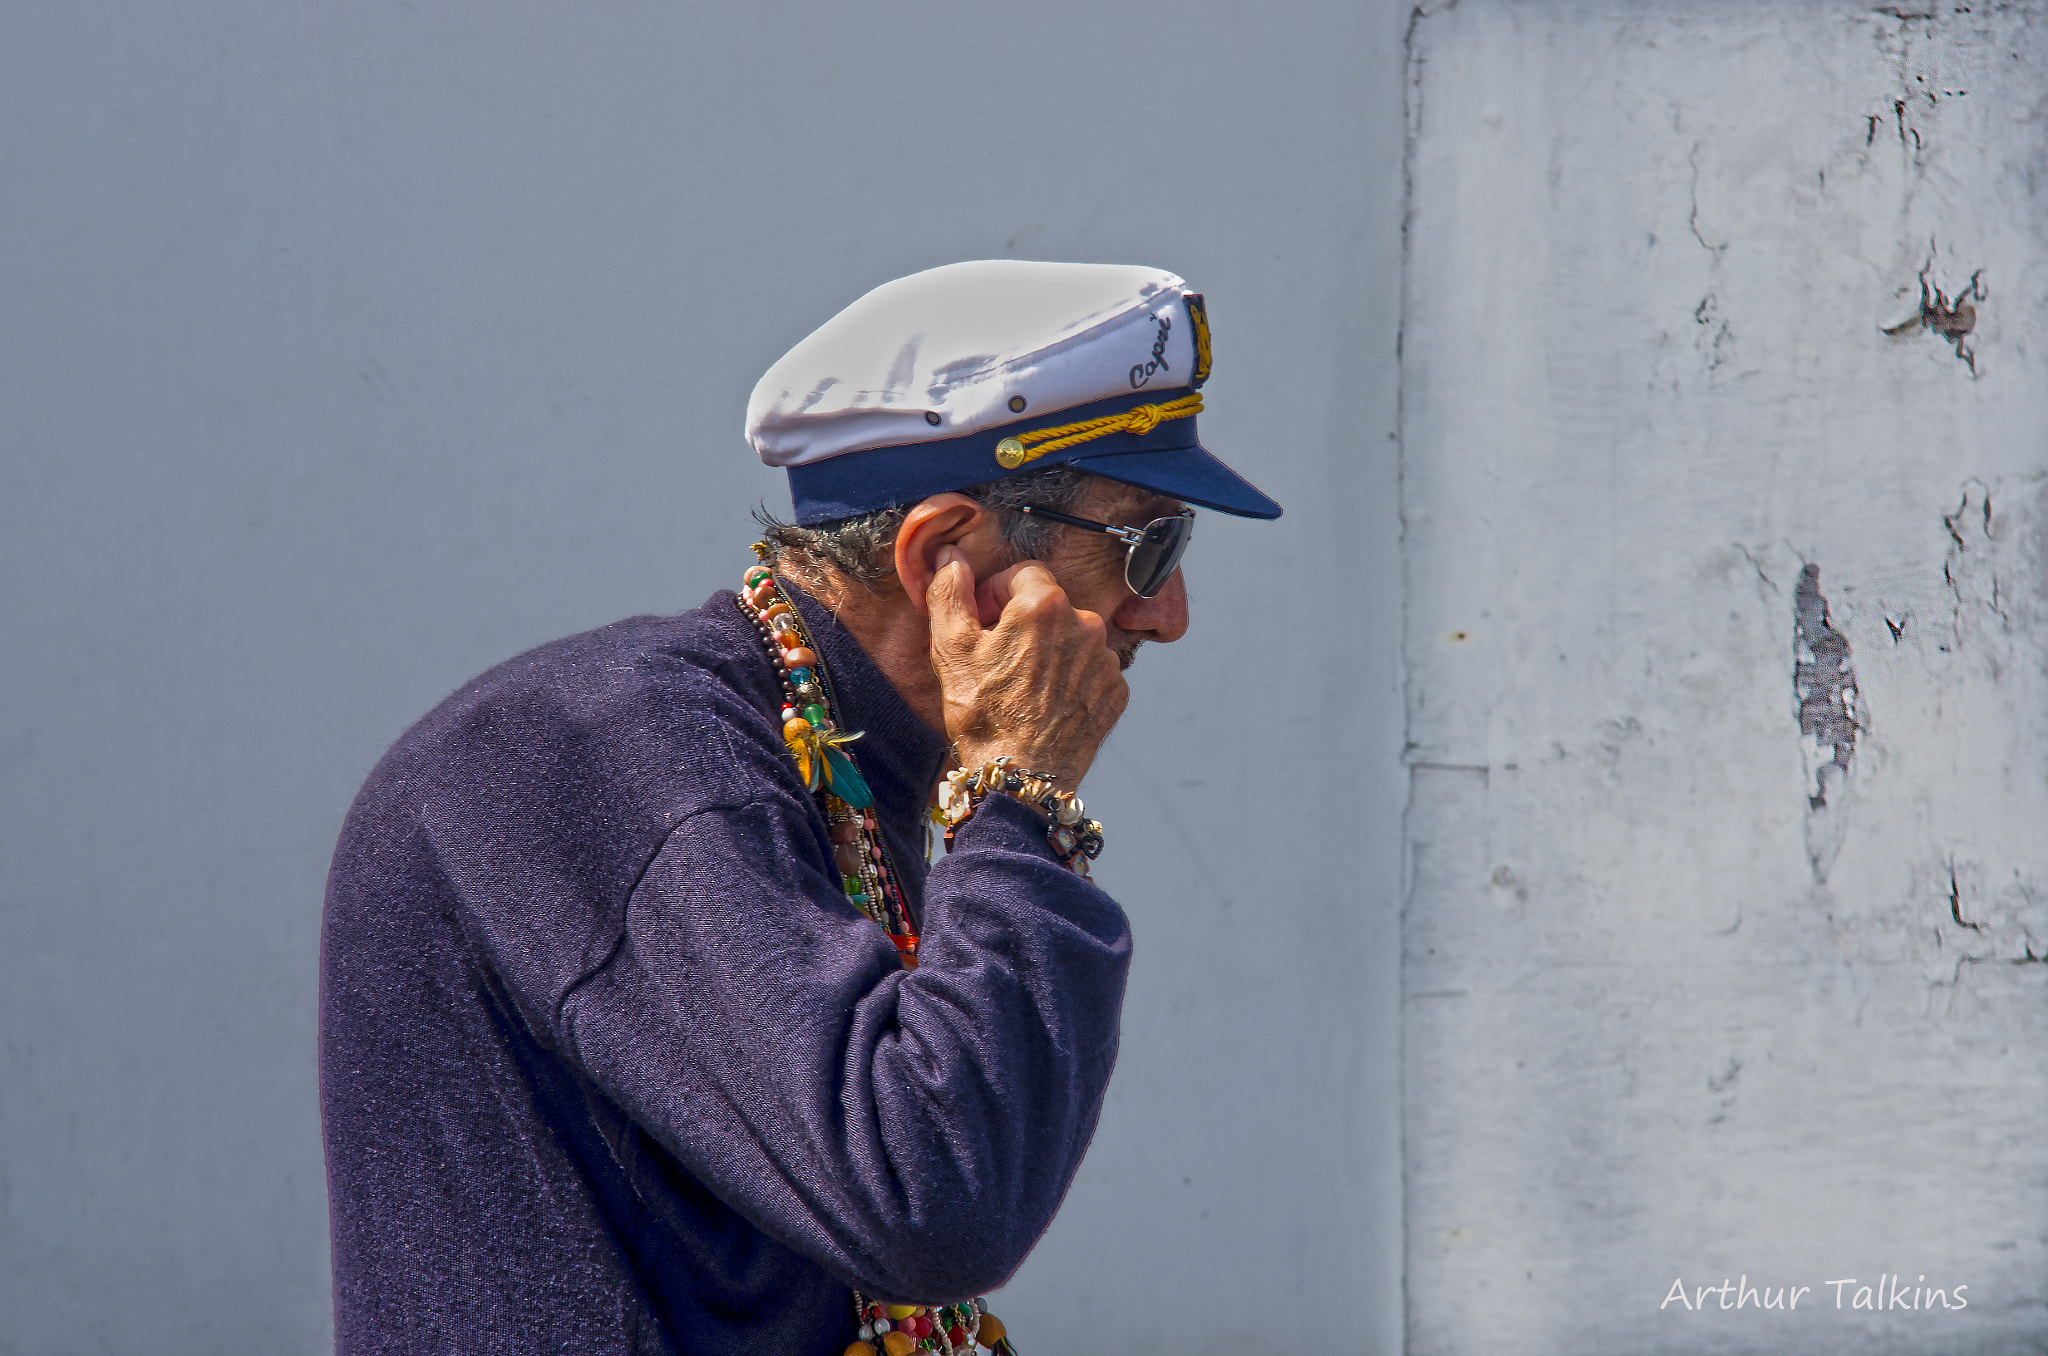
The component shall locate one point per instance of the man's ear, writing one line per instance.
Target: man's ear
(933, 524)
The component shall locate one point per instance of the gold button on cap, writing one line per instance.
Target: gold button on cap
(1010, 454)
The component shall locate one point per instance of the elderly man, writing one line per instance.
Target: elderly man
(648, 1024)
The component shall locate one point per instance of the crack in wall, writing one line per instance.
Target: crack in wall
(1824, 685)
(1970, 569)
(1756, 565)
(1693, 159)
(1955, 899)
(1997, 921)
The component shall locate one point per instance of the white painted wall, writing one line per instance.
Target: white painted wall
(1663, 1018)
(348, 349)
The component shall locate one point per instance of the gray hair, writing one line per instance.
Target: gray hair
(863, 549)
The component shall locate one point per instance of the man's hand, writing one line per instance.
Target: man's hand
(1041, 684)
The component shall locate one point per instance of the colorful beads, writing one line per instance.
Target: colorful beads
(947, 1329)
(813, 740)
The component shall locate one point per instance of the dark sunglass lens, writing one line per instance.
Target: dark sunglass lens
(1154, 559)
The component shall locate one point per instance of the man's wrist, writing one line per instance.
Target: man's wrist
(1021, 753)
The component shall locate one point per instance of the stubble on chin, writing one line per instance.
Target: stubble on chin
(1127, 654)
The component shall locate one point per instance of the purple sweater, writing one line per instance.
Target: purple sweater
(608, 1061)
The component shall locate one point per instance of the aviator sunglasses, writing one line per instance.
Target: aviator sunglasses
(1152, 551)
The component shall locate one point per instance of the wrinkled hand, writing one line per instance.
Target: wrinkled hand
(1041, 684)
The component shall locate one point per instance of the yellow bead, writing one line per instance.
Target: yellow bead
(898, 1342)
(897, 1311)
(990, 1332)
(859, 1349)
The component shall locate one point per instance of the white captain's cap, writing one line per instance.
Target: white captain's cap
(976, 371)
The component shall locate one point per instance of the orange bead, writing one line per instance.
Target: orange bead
(859, 1349)
(796, 727)
(802, 657)
(773, 612)
(898, 1342)
(990, 1332)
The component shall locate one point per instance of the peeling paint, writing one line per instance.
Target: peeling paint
(1715, 339)
(1753, 975)
(1824, 684)
(1953, 318)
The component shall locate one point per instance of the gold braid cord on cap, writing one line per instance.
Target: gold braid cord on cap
(1139, 419)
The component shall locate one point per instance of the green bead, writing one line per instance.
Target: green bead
(815, 714)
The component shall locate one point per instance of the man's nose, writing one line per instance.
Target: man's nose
(1163, 617)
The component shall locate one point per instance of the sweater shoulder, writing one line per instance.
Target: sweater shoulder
(629, 728)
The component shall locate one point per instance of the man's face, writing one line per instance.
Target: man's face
(1090, 567)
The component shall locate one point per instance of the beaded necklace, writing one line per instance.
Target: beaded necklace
(816, 739)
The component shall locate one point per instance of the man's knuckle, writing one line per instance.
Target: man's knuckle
(1042, 614)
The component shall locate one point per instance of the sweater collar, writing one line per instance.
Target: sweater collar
(900, 757)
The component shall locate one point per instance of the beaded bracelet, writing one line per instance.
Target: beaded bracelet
(1075, 838)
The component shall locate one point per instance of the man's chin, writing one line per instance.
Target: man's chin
(1126, 655)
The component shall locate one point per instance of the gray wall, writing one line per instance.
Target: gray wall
(1727, 677)
(348, 349)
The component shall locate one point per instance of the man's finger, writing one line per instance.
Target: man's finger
(993, 594)
(1030, 579)
(949, 598)
(1035, 596)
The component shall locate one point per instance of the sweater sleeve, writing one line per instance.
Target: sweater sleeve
(911, 1131)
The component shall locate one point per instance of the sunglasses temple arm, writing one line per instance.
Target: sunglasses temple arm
(1037, 512)
(1129, 536)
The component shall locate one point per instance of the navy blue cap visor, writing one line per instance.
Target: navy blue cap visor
(1169, 460)
(1192, 474)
